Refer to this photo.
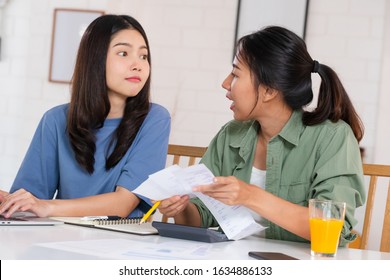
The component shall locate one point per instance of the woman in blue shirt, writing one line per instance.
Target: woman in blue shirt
(91, 153)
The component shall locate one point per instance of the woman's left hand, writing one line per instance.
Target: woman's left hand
(228, 190)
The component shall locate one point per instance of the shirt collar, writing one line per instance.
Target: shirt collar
(242, 141)
(244, 144)
(291, 132)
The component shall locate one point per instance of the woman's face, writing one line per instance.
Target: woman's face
(241, 91)
(127, 66)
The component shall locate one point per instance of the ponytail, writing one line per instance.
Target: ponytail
(333, 102)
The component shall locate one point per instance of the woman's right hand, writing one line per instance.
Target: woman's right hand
(3, 195)
(174, 205)
(22, 200)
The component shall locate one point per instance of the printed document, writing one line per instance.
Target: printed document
(236, 221)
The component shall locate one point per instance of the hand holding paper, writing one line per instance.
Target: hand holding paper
(236, 221)
(175, 180)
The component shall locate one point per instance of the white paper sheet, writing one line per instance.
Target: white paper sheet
(132, 249)
(162, 185)
(236, 221)
(174, 180)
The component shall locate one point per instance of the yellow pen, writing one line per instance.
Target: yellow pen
(147, 215)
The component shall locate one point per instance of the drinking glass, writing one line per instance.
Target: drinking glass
(326, 223)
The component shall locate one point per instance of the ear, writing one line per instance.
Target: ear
(267, 94)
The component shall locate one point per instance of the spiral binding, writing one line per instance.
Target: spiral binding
(124, 221)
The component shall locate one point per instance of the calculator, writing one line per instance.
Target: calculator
(189, 232)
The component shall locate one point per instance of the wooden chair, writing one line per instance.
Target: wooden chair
(186, 154)
(191, 152)
(374, 171)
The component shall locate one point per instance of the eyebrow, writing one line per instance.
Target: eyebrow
(128, 45)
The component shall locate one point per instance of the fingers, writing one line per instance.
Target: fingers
(3, 193)
(224, 189)
(217, 186)
(20, 200)
(173, 205)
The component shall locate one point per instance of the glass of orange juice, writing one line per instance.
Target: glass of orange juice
(326, 222)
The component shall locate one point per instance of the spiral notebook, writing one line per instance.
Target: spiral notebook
(131, 225)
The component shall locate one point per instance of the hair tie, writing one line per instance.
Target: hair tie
(316, 66)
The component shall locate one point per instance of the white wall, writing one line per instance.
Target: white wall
(382, 147)
(349, 35)
(192, 44)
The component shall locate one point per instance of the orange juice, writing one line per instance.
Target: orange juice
(325, 235)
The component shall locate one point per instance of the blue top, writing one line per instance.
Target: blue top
(50, 170)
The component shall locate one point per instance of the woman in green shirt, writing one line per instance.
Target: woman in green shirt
(274, 156)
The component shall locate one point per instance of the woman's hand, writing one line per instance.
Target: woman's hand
(2, 195)
(228, 190)
(22, 200)
(174, 205)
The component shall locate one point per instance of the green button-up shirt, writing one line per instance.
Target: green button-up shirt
(303, 162)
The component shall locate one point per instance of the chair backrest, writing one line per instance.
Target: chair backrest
(374, 171)
(191, 152)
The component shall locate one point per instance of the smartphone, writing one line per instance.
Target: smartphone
(270, 256)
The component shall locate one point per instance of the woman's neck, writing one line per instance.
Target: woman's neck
(117, 106)
(274, 121)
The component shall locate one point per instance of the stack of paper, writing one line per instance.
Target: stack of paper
(236, 221)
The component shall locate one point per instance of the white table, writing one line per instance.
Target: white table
(69, 242)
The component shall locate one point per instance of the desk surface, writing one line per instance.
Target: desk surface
(67, 242)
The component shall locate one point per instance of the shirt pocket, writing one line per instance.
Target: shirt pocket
(297, 192)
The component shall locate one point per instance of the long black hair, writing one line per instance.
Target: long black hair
(89, 105)
(278, 58)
